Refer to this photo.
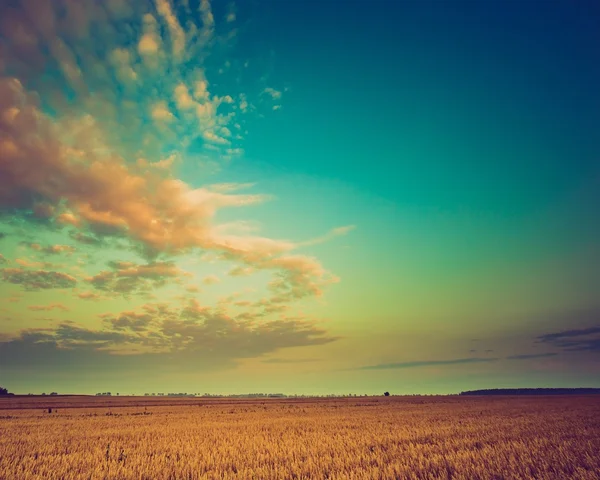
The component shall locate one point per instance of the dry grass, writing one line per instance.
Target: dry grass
(358, 438)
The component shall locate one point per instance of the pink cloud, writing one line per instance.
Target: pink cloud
(89, 296)
(73, 168)
(45, 308)
(211, 280)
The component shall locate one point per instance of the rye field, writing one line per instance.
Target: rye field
(347, 438)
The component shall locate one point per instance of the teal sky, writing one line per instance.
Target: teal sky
(302, 197)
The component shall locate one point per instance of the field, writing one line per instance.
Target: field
(345, 438)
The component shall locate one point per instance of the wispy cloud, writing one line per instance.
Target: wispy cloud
(428, 363)
(333, 233)
(176, 32)
(89, 296)
(531, 356)
(38, 279)
(271, 92)
(454, 361)
(24, 262)
(46, 308)
(211, 280)
(229, 187)
(583, 339)
(287, 361)
(52, 249)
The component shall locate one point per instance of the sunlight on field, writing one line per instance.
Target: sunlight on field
(355, 438)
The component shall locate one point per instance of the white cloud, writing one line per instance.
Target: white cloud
(150, 42)
(231, 13)
(161, 112)
(211, 280)
(274, 94)
(229, 187)
(148, 45)
(89, 145)
(164, 164)
(333, 233)
(121, 60)
(226, 99)
(205, 113)
(234, 151)
(208, 21)
(243, 103)
(177, 34)
(183, 98)
(210, 136)
(201, 90)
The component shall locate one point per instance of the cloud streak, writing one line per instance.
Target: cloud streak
(285, 361)
(455, 361)
(428, 363)
(531, 356)
(38, 279)
(578, 340)
(51, 249)
(47, 308)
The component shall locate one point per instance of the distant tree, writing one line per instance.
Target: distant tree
(387, 394)
(54, 393)
(3, 391)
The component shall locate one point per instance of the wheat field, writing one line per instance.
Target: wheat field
(346, 438)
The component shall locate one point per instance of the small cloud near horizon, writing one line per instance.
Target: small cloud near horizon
(428, 363)
(290, 360)
(574, 340)
(531, 356)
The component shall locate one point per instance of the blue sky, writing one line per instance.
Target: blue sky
(261, 195)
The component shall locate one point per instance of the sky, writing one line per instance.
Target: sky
(299, 197)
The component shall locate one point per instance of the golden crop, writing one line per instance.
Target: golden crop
(355, 438)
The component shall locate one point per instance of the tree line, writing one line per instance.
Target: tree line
(534, 391)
